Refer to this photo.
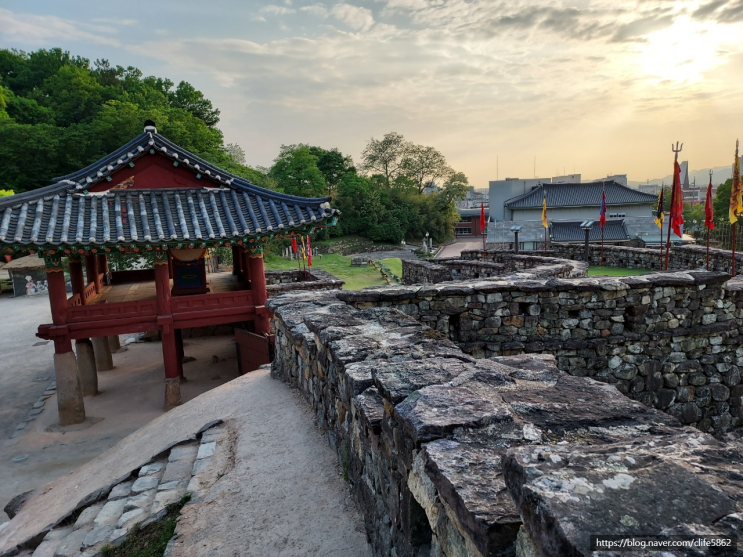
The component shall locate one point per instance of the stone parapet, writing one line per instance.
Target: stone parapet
(471, 265)
(447, 454)
(669, 340)
(279, 282)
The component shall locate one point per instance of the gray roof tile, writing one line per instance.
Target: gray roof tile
(579, 195)
(66, 213)
(614, 231)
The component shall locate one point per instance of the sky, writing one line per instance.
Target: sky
(594, 87)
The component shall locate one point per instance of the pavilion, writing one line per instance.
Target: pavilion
(148, 197)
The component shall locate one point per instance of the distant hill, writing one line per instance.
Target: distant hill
(719, 175)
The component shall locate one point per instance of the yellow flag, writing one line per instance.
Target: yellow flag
(736, 192)
(544, 212)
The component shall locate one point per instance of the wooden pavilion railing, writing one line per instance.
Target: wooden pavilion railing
(74, 300)
(89, 291)
(187, 311)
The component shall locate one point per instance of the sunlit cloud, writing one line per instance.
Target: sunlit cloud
(596, 83)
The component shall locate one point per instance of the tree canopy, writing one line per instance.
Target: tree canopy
(59, 113)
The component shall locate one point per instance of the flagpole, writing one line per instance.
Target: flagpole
(734, 247)
(660, 268)
(676, 152)
(707, 200)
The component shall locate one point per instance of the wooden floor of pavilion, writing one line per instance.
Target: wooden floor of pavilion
(136, 291)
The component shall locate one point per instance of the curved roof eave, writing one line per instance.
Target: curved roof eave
(148, 140)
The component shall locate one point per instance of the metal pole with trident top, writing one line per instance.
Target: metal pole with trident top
(676, 150)
(706, 210)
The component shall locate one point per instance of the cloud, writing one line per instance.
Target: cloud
(38, 30)
(357, 18)
(277, 10)
(318, 10)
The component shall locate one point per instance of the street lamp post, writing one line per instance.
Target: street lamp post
(515, 229)
(586, 226)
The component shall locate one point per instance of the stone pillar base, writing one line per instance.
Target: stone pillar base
(86, 367)
(104, 361)
(114, 343)
(172, 393)
(69, 394)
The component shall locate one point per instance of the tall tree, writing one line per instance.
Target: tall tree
(333, 165)
(187, 97)
(235, 152)
(423, 165)
(456, 187)
(296, 173)
(385, 156)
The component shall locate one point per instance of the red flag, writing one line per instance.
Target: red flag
(677, 209)
(602, 219)
(483, 224)
(709, 216)
(294, 244)
(309, 252)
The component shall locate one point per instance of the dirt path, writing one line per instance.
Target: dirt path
(285, 496)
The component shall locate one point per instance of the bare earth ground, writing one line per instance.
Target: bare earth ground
(284, 497)
(453, 250)
(131, 395)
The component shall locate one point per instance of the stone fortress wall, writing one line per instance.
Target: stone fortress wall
(459, 435)
(472, 266)
(451, 455)
(669, 340)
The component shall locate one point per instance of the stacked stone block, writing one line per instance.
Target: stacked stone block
(436, 445)
(669, 340)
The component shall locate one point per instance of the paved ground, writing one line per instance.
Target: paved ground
(131, 395)
(282, 494)
(453, 250)
(25, 370)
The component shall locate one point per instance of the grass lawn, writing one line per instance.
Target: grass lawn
(394, 264)
(616, 271)
(340, 266)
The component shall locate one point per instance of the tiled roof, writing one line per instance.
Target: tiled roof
(614, 231)
(579, 195)
(65, 213)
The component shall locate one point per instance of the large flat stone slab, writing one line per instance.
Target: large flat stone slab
(651, 486)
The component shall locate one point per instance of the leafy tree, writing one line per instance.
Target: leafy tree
(187, 97)
(721, 203)
(296, 173)
(385, 156)
(333, 165)
(5, 193)
(58, 114)
(456, 187)
(422, 165)
(235, 152)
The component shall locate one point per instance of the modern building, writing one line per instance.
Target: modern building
(629, 212)
(502, 190)
(469, 222)
(578, 202)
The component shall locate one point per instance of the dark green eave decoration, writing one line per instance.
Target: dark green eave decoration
(66, 250)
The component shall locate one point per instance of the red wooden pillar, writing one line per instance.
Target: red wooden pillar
(167, 332)
(236, 261)
(102, 265)
(170, 266)
(258, 287)
(91, 271)
(69, 393)
(76, 277)
(245, 265)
